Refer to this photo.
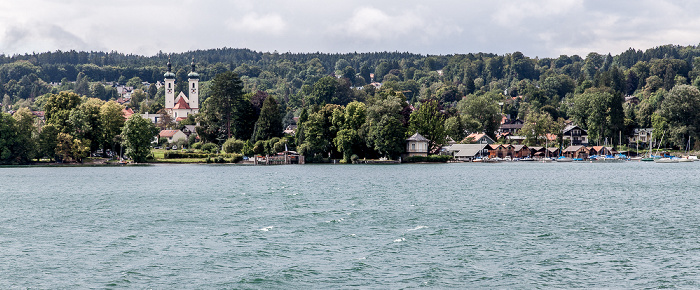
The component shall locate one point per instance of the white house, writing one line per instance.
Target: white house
(417, 145)
(173, 135)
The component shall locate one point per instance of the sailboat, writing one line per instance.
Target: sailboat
(687, 158)
(649, 157)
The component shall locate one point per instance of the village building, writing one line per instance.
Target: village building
(479, 138)
(173, 135)
(641, 137)
(468, 152)
(576, 151)
(521, 151)
(574, 135)
(417, 145)
(511, 126)
(181, 106)
(500, 150)
(600, 151)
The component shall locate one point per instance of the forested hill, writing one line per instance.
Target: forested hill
(522, 85)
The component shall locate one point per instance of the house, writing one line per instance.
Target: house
(511, 126)
(574, 135)
(600, 151)
(127, 112)
(500, 150)
(576, 151)
(641, 136)
(467, 152)
(478, 138)
(153, 117)
(39, 114)
(290, 130)
(553, 152)
(189, 130)
(631, 100)
(417, 145)
(520, 151)
(173, 135)
(537, 151)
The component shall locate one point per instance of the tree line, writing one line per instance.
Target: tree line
(470, 91)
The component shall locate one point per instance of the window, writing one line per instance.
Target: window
(169, 85)
(193, 85)
(413, 146)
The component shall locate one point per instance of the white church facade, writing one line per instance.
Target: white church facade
(181, 106)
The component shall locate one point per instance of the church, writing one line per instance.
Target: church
(181, 106)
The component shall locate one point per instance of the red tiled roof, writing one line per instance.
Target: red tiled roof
(167, 133)
(127, 112)
(181, 104)
(178, 119)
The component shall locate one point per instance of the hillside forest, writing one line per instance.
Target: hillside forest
(354, 105)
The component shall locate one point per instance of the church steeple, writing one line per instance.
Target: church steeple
(193, 78)
(169, 87)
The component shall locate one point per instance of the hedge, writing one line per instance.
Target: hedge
(431, 158)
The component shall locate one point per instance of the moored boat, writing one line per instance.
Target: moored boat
(666, 160)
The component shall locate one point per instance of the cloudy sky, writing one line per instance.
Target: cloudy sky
(544, 28)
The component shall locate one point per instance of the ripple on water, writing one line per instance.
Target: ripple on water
(629, 225)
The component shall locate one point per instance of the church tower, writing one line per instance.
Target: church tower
(193, 79)
(169, 87)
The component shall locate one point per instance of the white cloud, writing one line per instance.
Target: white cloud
(254, 23)
(369, 23)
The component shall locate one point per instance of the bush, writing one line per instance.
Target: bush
(176, 154)
(431, 158)
(197, 145)
(354, 159)
(233, 146)
(259, 147)
(210, 147)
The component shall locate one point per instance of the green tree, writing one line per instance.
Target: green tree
(536, 127)
(349, 122)
(138, 134)
(225, 101)
(64, 147)
(384, 128)
(681, 109)
(320, 130)
(483, 111)
(57, 109)
(269, 123)
(455, 128)
(47, 141)
(429, 122)
(112, 120)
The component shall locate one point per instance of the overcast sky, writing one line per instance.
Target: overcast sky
(544, 28)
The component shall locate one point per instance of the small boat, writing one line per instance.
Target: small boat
(565, 159)
(526, 159)
(666, 160)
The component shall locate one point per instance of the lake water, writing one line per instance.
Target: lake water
(508, 225)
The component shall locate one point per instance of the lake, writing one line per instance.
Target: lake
(461, 225)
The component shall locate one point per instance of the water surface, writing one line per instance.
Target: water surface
(508, 225)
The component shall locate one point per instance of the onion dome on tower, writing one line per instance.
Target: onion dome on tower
(169, 74)
(193, 74)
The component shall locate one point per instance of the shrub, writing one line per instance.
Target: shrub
(233, 146)
(210, 147)
(259, 147)
(354, 158)
(197, 145)
(431, 158)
